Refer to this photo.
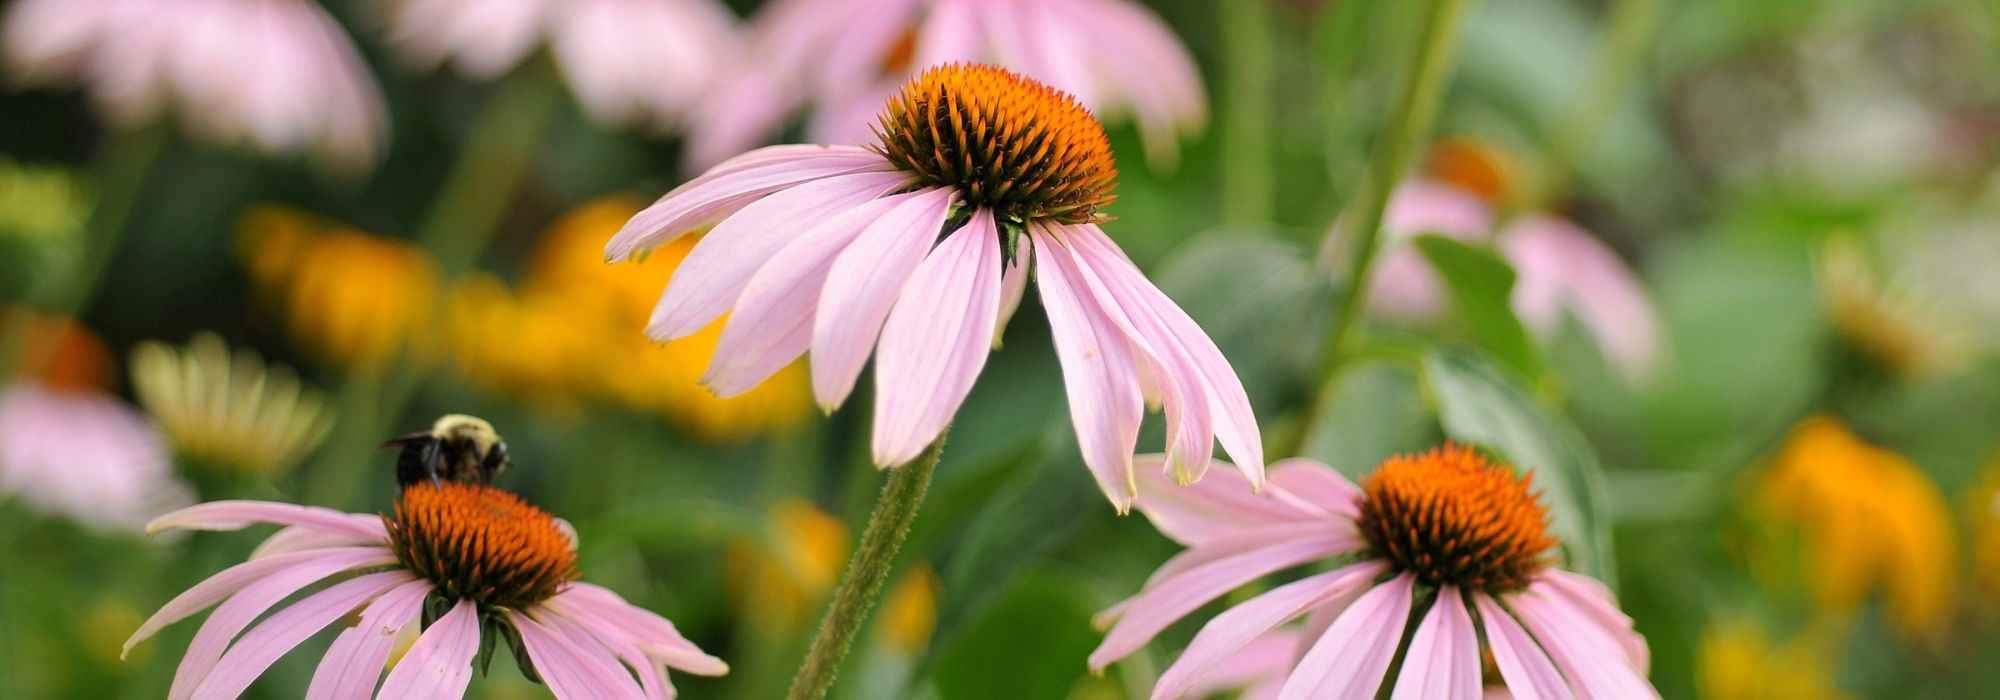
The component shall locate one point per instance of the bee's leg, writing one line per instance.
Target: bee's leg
(431, 459)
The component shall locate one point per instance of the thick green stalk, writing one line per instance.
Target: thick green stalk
(1411, 123)
(1247, 183)
(870, 566)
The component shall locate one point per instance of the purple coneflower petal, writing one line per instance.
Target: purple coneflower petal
(733, 186)
(1210, 551)
(263, 645)
(1348, 662)
(771, 324)
(1223, 636)
(1318, 486)
(299, 538)
(1595, 664)
(1592, 598)
(655, 634)
(1253, 667)
(715, 273)
(1217, 507)
(1158, 606)
(1526, 670)
(1443, 658)
(439, 665)
(582, 631)
(1563, 267)
(950, 34)
(1099, 376)
(861, 286)
(571, 670)
(246, 605)
(236, 515)
(936, 340)
(353, 664)
(856, 61)
(228, 581)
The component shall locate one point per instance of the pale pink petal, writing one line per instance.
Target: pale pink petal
(227, 582)
(583, 630)
(771, 324)
(1524, 667)
(247, 604)
(714, 274)
(1594, 662)
(950, 34)
(1403, 286)
(854, 62)
(1443, 658)
(1595, 601)
(851, 118)
(439, 665)
(936, 340)
(1317, 484)
(354, 663)
(1099, 377)
(298, 538)
(1223, 636)
(861, 285)
(236, 515)
(739, 112)
(1349, 661)
(1216, 507)
(1560, 268)
(1143, 63)
(1161, 605)
(1221, 548)
(655, 634)
(271, 639)
(569, 670)
(1264, 661)
(731, 187)
(1013, 286)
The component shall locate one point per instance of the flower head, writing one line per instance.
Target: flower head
(1738, 660)
(353, 299)
(1448, 541)
(846, 56)
(279, 74)
(1892, 325)
(918, 252)
(229, 409)
(460, 561)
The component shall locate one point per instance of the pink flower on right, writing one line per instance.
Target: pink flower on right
(1448, 541)
(1560, 268)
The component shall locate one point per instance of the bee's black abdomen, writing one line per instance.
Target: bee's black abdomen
(417, 462)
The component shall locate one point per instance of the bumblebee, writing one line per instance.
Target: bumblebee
(457, 448)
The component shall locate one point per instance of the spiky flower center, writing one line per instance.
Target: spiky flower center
(481, 544)
(1453, 517)
(1021, 148)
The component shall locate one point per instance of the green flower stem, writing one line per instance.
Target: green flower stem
(1627, 38)
(1407, 129)
(873, 560)
(456, 230)
(1247, 185)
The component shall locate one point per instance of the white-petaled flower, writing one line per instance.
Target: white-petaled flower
(229, 409)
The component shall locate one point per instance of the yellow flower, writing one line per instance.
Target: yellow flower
(1737, 660)
(577, 328)
(909, 612)
(1889, 325)
(1982, 515)
(353, 299)
(41, 203)
(780, 580)
(1861, 518)
(229, 409)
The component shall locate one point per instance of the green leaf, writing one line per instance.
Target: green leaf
(1031, 645)
(1481, 285)
(1479, 405)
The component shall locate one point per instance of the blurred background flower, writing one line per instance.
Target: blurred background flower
(227, 410)
(1740, 661)
(352, 299)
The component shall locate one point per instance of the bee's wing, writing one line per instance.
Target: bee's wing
(402, 440)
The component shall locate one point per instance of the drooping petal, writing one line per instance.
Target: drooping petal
(1099, 376)
(1223, 636)
(1524, 667)
(731, 187)
(772, 322)
(1218, 507)
(655, 634)
(1443, 659)
(439, 665)
(247, 604)
(714, 274)
(1267, 658)
(299, 538)
(861, 285)
(1594, 662)
(263, 645)
(354, 663)
(569, 670)
(227, 582)
(1564, 268)
(1348, 662)
(936, 341)
(1161, 605)
(582, 630)
(236, 515)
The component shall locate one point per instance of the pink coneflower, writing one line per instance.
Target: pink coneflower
(279, 74)
(1561, 269)
(926, 239)
(1448, 541)
(459, 560)
(846, 56)
(628, 61)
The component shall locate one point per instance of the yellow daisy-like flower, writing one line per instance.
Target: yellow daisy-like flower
(909, 611)
(1738, 660)
(1849, 518)
(228, 409)
(353, 299)
(780, 579)
(573, 316)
